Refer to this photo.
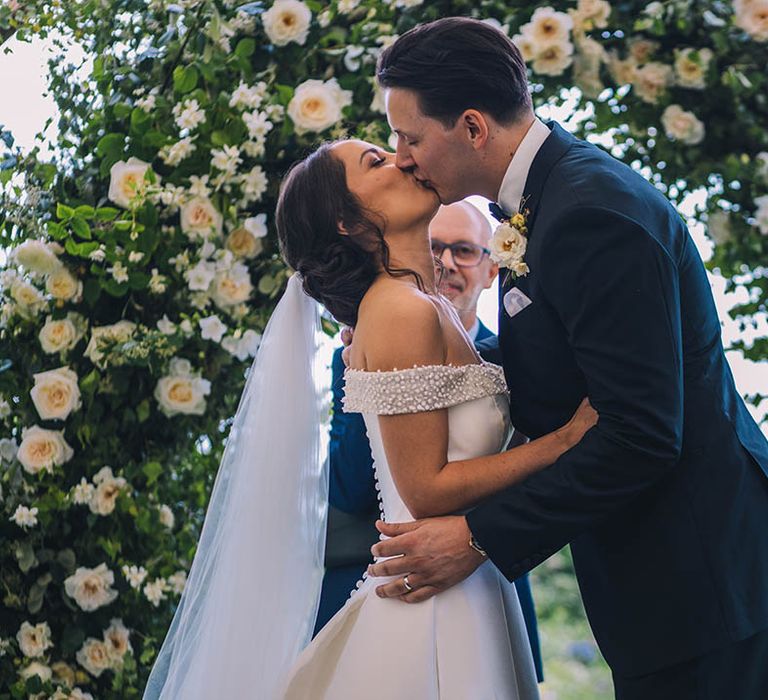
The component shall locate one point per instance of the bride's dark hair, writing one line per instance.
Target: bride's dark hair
(337, 269)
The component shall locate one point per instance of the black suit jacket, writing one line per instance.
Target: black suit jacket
(665, 501)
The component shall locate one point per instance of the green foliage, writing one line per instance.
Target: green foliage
(157, 209)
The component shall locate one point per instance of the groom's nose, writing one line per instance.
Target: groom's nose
(403, 159)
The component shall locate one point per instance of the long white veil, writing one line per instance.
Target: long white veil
(250, 602)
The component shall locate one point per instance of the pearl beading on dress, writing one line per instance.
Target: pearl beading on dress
(421, 388)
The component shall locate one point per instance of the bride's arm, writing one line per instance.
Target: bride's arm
(416, 448)
(405, 331)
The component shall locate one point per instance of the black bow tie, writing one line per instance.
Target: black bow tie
(497, 212)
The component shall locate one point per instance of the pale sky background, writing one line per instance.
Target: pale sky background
(25, 108)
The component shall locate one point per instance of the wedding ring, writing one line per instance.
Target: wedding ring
(408, 586)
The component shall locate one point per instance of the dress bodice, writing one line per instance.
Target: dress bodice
(474, 395)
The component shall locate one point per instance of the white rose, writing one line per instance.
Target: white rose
(554, 59)
(719, 226)
(29, 298)
(591, 13)
(127, 181)
(526, 45)
(90, 588)
(507, 246)
(287, 21)
(548, 27)
(167, 518)
(62, 284)
(317, 105)
(93, 656)
(682, 126)
(752, 17)
(243, 243)
(36, 256)
(117, 640)
(182, 392)
(118, 332)
(8, 449)
(34, 640)
(651, 81)
(60, 335)
(691, 67)
(64, 674)
(108, 487)
(56, 393)
(43, 449)
(231, 287)
(622, 71)
(36, 669)
(199, 218)
(761, 213)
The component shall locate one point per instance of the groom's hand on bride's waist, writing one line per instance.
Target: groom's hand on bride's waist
(434, 554)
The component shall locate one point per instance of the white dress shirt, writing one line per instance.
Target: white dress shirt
(472, 332)
(511, 191)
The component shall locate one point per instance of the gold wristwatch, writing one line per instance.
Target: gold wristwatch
(476, 546)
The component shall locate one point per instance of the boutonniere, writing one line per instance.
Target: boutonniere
(509, 243)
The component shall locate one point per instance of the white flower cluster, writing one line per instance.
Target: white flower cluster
(545, 41)
(24, 517)
(101, 495)
(108, 653)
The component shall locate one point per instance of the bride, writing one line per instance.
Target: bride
(355, 228)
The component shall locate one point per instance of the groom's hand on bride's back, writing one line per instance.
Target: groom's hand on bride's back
(346, 339)
(434, 553)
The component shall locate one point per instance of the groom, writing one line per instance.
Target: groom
(665, 501)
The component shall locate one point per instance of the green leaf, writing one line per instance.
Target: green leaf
(25, 556)
(185, 78)
(142, 411)
(81, 228)
(91, 291)
(71, 640)
(64, 212)
(245, 47)
(152, 470)
(86, 211)
(107, 213)
(140, 121)
(66, 557)
(111, 145)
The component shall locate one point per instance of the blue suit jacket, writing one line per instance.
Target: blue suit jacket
(665, 501)
(355, 508)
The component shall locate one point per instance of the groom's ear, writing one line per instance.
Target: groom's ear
(475, 126)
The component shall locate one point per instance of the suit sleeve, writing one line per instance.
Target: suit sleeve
(352, 484)
(615, 290)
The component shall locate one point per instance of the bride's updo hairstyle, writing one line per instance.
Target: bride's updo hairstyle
(337, 268)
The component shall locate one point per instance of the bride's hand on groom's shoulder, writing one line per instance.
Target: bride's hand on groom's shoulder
(433, 553)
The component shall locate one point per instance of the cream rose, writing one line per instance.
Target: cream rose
(691, 67)
(90, 588)
(181, 391)
(34, 640)
(231, 287)
(682, 126)
(554, 59)
(60, 335)
(36, 669)
(525, 45)
(752, 17)
(642, 49)
(56, 393)
(43, 449)
(317, 105)
(200, 219)
(93, 656)
(127, 181)
(287, 21)
(36, 256)
(117, 640)
(591, 13)
(29, 298)
(108, 488)
(62, 284)
(548, 27)
(651, 81)
(118, 332)
(243, 243)
(507, 246)
(622, 71)
(64, 674)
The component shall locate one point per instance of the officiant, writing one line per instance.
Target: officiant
(459, 234)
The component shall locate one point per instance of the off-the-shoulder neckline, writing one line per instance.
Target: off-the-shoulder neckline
(448, 366)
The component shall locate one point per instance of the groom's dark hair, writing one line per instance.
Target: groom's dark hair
(455, 64)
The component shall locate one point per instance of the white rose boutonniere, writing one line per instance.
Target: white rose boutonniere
(509, 244)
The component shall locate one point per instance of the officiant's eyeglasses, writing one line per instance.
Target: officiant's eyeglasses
(464, 254)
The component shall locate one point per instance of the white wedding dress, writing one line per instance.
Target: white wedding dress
(468, 643)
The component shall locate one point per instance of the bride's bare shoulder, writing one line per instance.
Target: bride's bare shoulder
(398, 327)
